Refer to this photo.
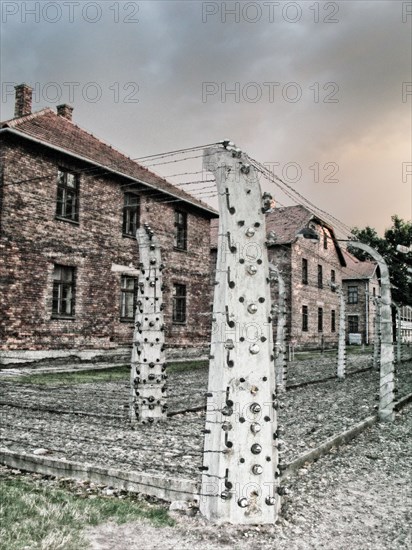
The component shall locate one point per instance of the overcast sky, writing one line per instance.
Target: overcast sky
(321, 88)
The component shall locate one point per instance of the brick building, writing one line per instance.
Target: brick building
(69, 208)
(361, 285)
(305, 250)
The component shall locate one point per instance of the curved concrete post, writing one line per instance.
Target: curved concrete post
(148, 402)
(240, 461)
(387, 374)
(280, 348)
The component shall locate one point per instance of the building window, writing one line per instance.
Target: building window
(353, 323)
(304, 271)
(374, 291)
(333, 320)
(325, 240)
(352, 294)
(305, 318)
(179, 303)
(63, 291)
(128, 298)
(320, 319)
(131, 214)
(67, 206)
(333, 280)
(320, 276)
(180, 230)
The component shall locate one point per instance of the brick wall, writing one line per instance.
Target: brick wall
(289, 260)
(364, 309)
(32, 240)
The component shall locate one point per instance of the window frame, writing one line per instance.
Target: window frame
(180, 235)
(320, 276)
(305, 271)
(124, 294)
(64, 192)
(305, 319)
(350, 323)
(353, 294)
(129, 226)
(60, 285)
(320, 319)
(179, 309)
(333, 320)
(333, 280)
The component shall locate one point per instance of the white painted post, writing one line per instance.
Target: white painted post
(240, 465)
(148, 403)
(341, 368)
(387, 373)
(280, 348)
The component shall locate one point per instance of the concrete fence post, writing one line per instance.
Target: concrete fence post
(240, 463)
(280, 345)
(377, 336)
(341, 367)
(148, 398)
(387, 372)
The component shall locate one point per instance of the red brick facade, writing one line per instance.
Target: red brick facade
(33, 240)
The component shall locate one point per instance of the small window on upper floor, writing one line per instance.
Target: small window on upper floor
(131, 214)
(325, 240)
(333, 280)
(67, 206)
(180, 230)
(320, 276)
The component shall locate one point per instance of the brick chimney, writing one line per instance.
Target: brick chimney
(23, 100)
(66, 111)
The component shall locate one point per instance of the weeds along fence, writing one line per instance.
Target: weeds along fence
(83, 416)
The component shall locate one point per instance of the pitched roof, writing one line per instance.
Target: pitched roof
(356, 269)
(287, 221)
(56, 131)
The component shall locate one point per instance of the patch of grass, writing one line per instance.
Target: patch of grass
(34, 515)
(100, 375)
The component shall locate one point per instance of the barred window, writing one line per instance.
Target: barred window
(128, 298)
(180, 230)
(67, 206)
(179, 303)
(63, 291)
(131, 214)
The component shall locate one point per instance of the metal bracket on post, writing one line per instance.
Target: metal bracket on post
(280, 349)
(387, 372)
(148, 377)
(240, 465)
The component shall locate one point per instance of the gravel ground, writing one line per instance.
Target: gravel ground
(310, 415)
(358, 498)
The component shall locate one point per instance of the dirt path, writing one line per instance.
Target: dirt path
(358, 498)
